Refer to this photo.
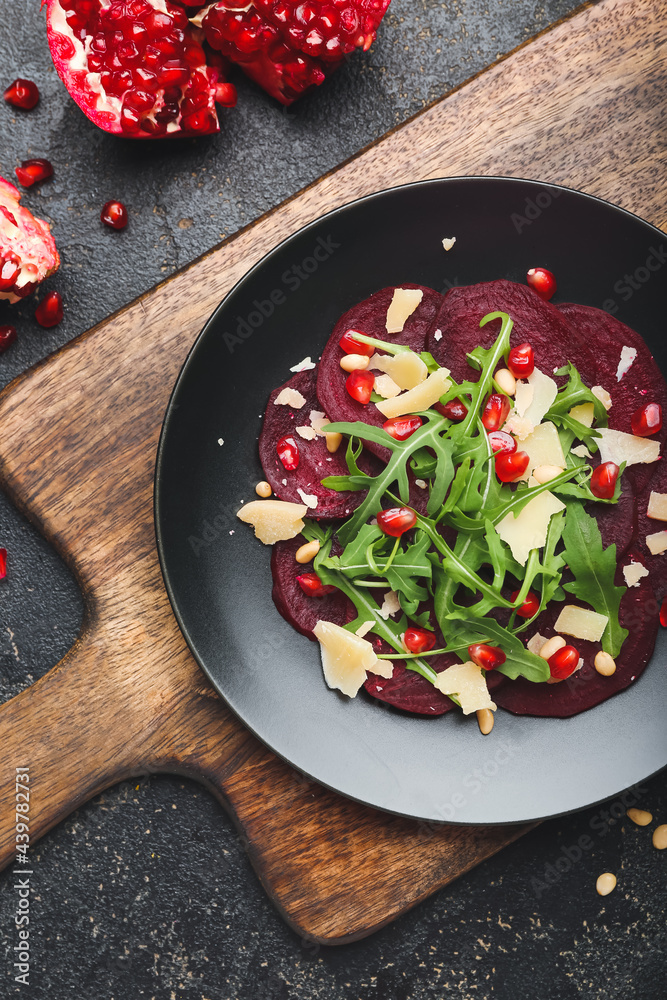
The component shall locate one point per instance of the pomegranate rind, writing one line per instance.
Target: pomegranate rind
(28, 238)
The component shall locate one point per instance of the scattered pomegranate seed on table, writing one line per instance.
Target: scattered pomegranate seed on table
(603, 480)
(511, 465)
(7, 337)
(288, 453)
(49, 312)
(663, 612)
(647, 420)
(542, 281)
(530, 605)
(418, 640)
(454, 410)
(521, 361)
(3, 563)
(114, 214)
(22, 94)
(359, 385)
(352, 346)
(502, 443)
(563, 663)
(33, 172)
(401, 428)
(396, 521)
(486, 657)
(496, 411)
(312, 586)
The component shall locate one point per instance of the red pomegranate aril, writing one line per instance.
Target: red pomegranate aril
(312, 586)
(521, 361)
(3, 563)
(396, 521)
(563, 663)
(542, 281)
(496, 411)
(288, 453)
(114, 215)
(502, 443)
(418, 640)
(352, 346)
(486, 657)
(511, 466)
(7, 337)
(22, 94)
(647, 420)
(454, 410)
(603, 480)
(663, 612)
(10, 268)
(33, 171)
(225, 94)
(360, 384)
(49, 312)
(530, 606)
(401, 428)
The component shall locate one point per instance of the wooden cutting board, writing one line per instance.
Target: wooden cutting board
(582, 105)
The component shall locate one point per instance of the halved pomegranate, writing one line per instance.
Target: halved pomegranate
(136, 68)
(28, 252)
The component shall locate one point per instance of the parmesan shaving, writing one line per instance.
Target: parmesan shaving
(403, 304)
(274, 520)
(602, 395)
(633, 573)
(535, 644)
(545, 391)
(618, 447)
(581, 623)
(628, 355)
(449, 242)
(523, 397)
(657, 506)
(421, 397)
(290, 397)
(346, 658)
(390, 605)
(307, 433)
(657, 543)
(528, 530)
(309, 499)
(406, 369)
(385, 386)
(466, 682)
(304, 366)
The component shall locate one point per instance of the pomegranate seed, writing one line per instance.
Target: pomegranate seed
(33, 171)
(530, 605)
(3, 563)
(225, 94)
(510, 466)
(49, 312)
(10, 268)
(486, 657)
(603, 480)
(496, 411)
(663, 612)
(312, 586)
(454, 410)
(402, 428)
(564, 662)
(542, 281)
(360, 384)
(418, 640)
(114, 214)
(288, 453)
(352, 346)
(7, 337)
(521, 361)
(22, 94)
(647, 420)
(396, 521)
(502, 443)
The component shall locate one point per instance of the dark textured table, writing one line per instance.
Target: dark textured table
(124, 903)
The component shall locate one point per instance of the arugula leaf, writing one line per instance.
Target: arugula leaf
(573, 393)
(430, 362)
(594, 569)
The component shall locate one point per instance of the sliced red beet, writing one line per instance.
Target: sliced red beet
(586, 688)
(413, 693)
(370, 317)
(302, 612)
(315, 462)
(617, 522)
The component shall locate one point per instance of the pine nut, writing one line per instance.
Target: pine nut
(263, 489)
(605, 884)
(552, 646)
(639, 816)
(307, 551)
(604, 664)
(354, 362)
(660, 837)
(505, 381)
(333, 442)
(485, 720)
(545, 473)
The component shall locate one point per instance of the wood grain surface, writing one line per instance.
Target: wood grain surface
(582, 105)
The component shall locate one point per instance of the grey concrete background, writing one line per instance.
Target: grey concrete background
(147, 892)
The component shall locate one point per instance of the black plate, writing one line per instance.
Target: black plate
(217, 574)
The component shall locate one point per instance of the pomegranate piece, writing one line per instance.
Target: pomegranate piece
(401, 428)
(288, 46)
(352, 346)
(530, 605)
(647, 420)
(663, 612)
(3, 563)
(454, 410)
(360, 384)
(312, 586)
(137, 68)
(22, 94)
(496, 411)
(33, 172)
(396, 521)
(510, 466)
(7, 337)
(486, 657)
(418, 640)
(27, 249)
(521, 361)
(603, 480)
(563, 663)
(288, 453)
(49, 312)
(114, 215)
(542, 281)
(502, 443)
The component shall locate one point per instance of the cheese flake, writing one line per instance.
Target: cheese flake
(317, 421)
(390, 605)
(657, 506)
(535, 644)
(520, 427)
(346, 658)
(528, 530)
(306, 432)
(364, 628)
(581, 451)
(437, 335)
(628, 355)
(618, 447)
(304, 366)
(449, 242)
(633, 573)
(403, 304)
(406, 369)
(385, 386)
(581, 623)
(274, 520)
(309, 499)
(657, 543)
(602, 395)
(545, 391)
(421, 483)
(543, 448)
(290, 397)
(421, 397)
(523, 397)
(584, 413)
(466, 682)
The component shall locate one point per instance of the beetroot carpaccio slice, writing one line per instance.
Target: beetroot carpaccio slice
(315, 462)
(369, 317)
(411, 692)
(301, 611)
